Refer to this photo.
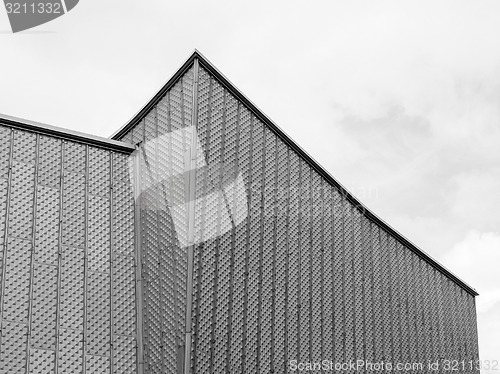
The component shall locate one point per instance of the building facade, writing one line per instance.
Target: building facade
(202, 239)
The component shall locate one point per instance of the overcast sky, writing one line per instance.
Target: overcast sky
(399, 100)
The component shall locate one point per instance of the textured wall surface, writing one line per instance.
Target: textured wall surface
(307, 277)
(67, 258)
(164, 262)
(285, 266)
(235, 243)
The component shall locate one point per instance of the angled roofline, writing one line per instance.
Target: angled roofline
(157, 97)
(58, 132)
(206, 64)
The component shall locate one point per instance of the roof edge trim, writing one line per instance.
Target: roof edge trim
(44, 129)
(156, 98)
(205, 63)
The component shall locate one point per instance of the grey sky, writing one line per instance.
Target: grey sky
(399, 100)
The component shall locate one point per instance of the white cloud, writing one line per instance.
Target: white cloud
(476, 259)
(473, 198)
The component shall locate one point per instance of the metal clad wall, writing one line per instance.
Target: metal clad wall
(285, 267)
(307, 276)
(60, 251)
(304, 276)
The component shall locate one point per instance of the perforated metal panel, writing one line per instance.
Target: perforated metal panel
(308, 277)
(57, 308)
(123, 267)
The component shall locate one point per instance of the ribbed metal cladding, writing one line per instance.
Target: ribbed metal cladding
(63, 245)
(307, 276)
(285, 266)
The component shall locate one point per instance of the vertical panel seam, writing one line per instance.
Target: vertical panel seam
(111, 264)
(353, 284)
(138, 264)
(322, 267)
(191, 222)
(372, 280)
(310, 255)
(215, 269)
(299, 262)
(59, 260)
(232, 260)
(218, 240)
(146, 275)
(261, 251)
(159, 244)
(390, 288)
(85, 259)
(332, 256)
(6, 233)
(287, 253)
(32, 259)
(247, 253)
(364, 277)
(275, 244)
(399, 300)
(201, 246)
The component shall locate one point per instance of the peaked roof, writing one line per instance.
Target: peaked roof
(207, 65)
